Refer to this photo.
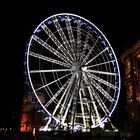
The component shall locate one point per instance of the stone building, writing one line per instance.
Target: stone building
(31, 115)
(131, 61)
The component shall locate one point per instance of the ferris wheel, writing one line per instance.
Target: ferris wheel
(71, 61)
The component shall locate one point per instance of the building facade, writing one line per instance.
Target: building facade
(31, 115)
(131, 61)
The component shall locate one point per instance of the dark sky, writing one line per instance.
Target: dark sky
(119, 22)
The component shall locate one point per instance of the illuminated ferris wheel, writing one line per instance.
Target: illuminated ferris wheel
(71, 61)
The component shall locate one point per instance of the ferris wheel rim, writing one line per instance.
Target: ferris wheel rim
(28, 70)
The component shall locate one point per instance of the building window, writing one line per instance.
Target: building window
(127, 68)
(138, 64)
(129, 94)
(138, 91)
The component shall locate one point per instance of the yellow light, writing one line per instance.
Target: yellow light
(34, 131)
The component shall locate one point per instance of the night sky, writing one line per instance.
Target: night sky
(120, 23)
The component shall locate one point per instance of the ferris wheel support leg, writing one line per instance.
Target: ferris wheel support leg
(47, 124)
(82, 108)
(97, 113)
(79, 77)
(112, 125)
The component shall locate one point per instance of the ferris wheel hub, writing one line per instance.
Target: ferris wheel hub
(84, 68)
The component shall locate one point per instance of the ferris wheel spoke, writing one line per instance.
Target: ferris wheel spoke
(92, 102)
(96, 56)
(78, 40)
(52, 70)
(93, 94)
(69, 97)
(63, 37)
(68, 91)
(89, 53)
(86, 41)
(102, 72)
(107, 62)
(53, 61)
(56, 41)
(83, 56)
(96, 96)
(67, 109)
(101, 80)
(48, 47)
(65, 93)
(71, 90)
(85, 47)
(101, 90)
(52, 82)
(71, 36)
(56, 94)
(100, 102)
